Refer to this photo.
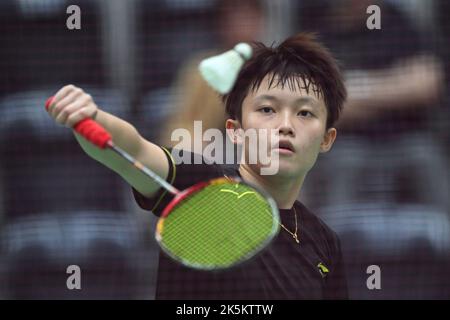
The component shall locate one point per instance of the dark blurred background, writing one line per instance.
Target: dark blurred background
(384, 187)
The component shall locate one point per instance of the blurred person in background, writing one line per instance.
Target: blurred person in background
(442, 7)
(392, 76)
(394, 82)
(237, 21)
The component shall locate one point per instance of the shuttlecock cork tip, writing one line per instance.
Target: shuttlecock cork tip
(244, 49)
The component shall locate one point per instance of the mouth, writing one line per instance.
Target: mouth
(285, 147)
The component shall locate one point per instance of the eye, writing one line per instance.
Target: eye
(266, 110)
(305, 113)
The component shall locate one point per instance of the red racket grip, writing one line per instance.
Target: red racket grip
(89, 129)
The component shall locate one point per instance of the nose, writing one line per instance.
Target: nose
(286, 127)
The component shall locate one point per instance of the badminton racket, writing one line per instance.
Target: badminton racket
(212, 225)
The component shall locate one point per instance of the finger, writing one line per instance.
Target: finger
(64, 91)
(61, 118)
(68, 99)
(77, 116)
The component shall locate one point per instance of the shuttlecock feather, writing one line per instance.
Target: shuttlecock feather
(221, 71)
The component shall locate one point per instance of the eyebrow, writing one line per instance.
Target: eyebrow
(302, 100)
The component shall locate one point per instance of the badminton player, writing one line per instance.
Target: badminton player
(294, 88)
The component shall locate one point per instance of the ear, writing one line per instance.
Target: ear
(234, 131)
(328, 140)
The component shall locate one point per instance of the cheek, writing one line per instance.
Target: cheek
(310, 141)
(251, 120)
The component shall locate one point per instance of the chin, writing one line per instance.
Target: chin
(288, 170)
(282, 169)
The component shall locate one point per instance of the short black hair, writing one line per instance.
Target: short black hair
(298, 58)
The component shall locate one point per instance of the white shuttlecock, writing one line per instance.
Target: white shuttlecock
(222, 70)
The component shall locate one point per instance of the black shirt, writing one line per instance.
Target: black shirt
(312, 269)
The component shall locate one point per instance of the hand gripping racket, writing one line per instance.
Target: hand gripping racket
(211, 225)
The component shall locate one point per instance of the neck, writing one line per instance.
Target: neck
(284, 190)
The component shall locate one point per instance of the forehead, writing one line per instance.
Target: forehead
(291, 89)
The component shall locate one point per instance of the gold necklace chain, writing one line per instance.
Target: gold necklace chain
(293, 234)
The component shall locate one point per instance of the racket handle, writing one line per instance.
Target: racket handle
(89, 129)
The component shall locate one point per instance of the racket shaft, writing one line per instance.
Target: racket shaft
(163, 183)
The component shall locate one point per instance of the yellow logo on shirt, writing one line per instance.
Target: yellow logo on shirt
(323, 269)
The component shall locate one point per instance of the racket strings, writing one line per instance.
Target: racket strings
(218, 226)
